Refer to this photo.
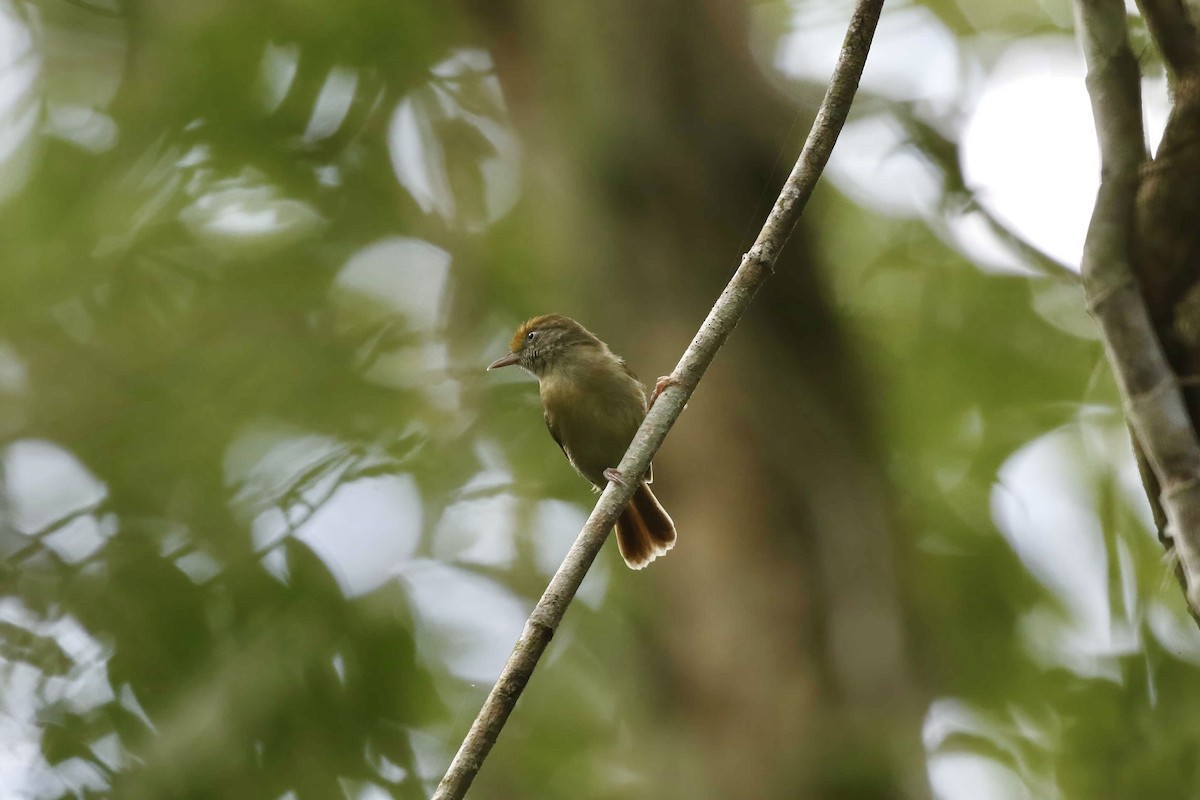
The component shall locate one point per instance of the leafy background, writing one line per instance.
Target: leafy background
(269, 531)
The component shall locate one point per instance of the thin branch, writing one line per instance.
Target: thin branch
(756, 266)
(1033, 256)
(959, 198)
(1173, 32)
(1154, 404)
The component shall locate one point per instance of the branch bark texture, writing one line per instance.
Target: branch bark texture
(1174, 33)
(756, 266)
(1154, 403)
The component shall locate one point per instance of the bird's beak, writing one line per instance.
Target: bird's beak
(507, 361)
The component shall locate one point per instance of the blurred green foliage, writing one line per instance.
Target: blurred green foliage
(268, 531)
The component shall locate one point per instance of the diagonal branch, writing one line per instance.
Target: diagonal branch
(1154, 404)
(958, 198)
(1033, 256)
(1174, 33)
(755, 268)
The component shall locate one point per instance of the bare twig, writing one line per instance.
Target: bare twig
(755, 268)
(1033, 256)
(941, 152)
(1174, 33)
(1154, 404)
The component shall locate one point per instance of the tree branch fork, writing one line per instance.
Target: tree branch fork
(1152, 396)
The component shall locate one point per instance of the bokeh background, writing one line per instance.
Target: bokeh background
(269, 531)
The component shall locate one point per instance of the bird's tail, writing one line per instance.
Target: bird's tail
(645, 530)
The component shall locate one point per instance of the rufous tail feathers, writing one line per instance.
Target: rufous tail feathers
(645, 530)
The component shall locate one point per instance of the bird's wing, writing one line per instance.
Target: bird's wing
(628, 371)
(650, 469)
(550, 426)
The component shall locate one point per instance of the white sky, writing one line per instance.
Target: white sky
(1028, 146)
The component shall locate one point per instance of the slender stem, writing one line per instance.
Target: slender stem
(756, 266)
(1034, 256)
(1174, 33)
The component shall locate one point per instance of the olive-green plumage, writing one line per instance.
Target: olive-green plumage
(593, 406)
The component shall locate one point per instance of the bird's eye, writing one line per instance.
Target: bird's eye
(529, 336)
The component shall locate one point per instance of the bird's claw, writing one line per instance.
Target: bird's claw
(615, 476)
(660, 386)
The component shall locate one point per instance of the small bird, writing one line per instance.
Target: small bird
(593, 406)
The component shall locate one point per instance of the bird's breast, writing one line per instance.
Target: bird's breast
(594, 421)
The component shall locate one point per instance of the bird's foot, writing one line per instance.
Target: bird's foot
(660, 386)
(615, 476)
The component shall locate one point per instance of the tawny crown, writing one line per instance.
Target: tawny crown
(545, 322)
